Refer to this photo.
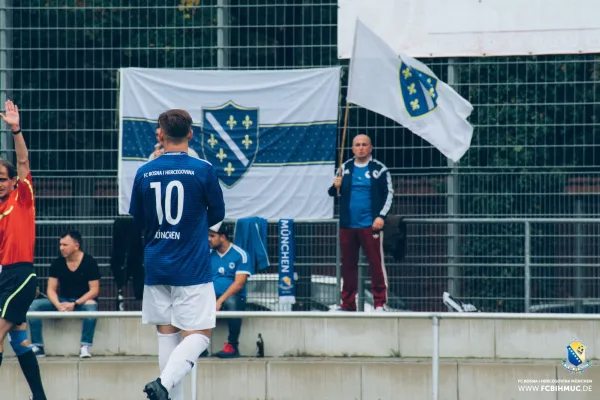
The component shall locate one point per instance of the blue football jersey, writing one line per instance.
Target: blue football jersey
(175, 198)
(226, 266)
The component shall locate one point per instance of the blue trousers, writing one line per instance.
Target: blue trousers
(234, 303)
(35, 324)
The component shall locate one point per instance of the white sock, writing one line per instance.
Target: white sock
(166, 344)
(183, 359)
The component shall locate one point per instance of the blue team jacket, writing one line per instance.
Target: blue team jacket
(382, 192)
(251, 235)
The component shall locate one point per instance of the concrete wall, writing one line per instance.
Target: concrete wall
(489, 339)
(123, 378)
(322, 359)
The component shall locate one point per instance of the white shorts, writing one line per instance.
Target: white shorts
(189, 308)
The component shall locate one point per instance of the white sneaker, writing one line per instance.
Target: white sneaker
(85, 352)
(38, 351)
(381, 309)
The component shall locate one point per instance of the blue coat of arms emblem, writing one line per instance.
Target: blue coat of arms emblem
(419, 90)
(230, 140)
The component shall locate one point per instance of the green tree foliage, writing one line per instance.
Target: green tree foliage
(66, 57)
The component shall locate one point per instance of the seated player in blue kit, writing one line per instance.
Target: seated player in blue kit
(230, 270)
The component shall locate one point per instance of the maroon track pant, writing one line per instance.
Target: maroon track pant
(351, 240)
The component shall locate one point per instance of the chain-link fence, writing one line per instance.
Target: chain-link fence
(535, 151)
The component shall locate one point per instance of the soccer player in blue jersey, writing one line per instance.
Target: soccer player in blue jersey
(230, 270)
(175, 198)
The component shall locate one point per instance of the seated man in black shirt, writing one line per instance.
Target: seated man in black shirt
(78, 276)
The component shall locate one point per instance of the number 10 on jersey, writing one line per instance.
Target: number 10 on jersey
(167, 204)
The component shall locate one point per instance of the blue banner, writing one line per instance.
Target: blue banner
(287, 254)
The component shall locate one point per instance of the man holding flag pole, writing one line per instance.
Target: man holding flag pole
(364, 186)
(405, 90)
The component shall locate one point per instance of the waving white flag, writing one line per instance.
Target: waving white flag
(405, 90)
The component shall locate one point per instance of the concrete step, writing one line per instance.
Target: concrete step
(352, 378)
(501, 339)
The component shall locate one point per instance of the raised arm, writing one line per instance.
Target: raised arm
(12, 119)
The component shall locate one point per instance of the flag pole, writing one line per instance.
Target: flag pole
(340, 172)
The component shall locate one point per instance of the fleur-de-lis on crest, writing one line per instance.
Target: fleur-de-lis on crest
(247, 122)
(229, 169)
(212, 141)
(247, 142)
(231, 122)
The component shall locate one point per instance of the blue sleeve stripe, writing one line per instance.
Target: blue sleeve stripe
(242, 253)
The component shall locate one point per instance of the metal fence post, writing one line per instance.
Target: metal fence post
(578, 252)
(338, 263)
(222, 34)
(360, 296)
(5, 65)
(435, 359)
(527, 255)
(452, 204)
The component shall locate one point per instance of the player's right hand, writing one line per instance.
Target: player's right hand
(337, 182)
(11, 115)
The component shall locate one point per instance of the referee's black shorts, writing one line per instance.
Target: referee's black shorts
(18, 287)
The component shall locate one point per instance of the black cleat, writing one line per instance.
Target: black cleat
(156, 391)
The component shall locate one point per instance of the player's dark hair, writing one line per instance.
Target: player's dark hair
(75, 235)
(11, 170)
(175, 123)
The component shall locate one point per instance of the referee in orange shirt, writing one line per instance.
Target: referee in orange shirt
(18, 281)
